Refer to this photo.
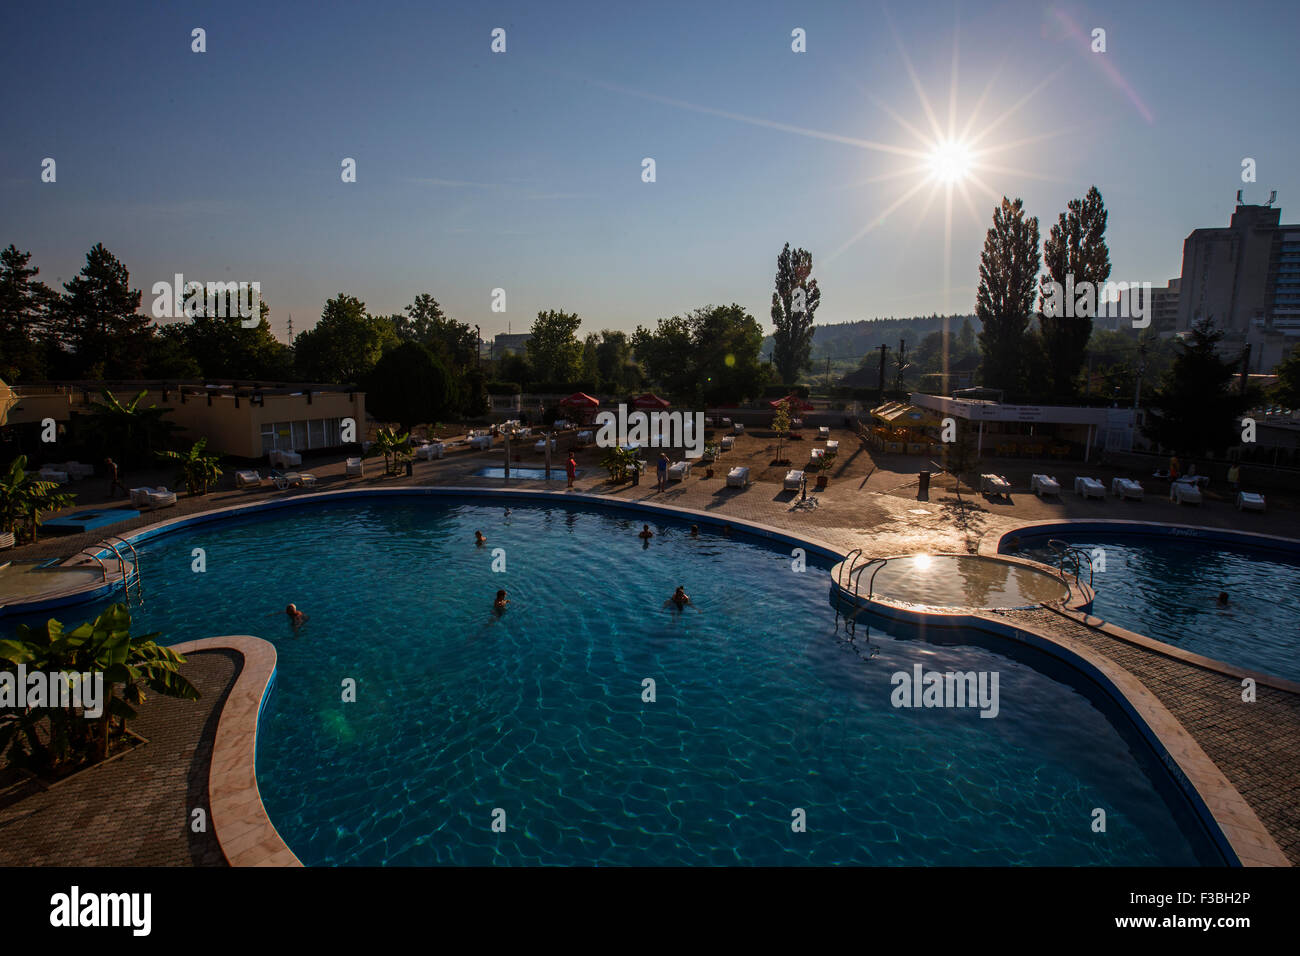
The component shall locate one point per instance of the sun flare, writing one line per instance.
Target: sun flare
(950, 161)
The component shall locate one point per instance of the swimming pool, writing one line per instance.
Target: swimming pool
(1165, 586)
(761, 706)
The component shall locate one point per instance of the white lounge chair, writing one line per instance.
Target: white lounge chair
(816, 453)
(585, 438)
(290, 459)
(1185, 492)
(1089, 487)
(50, 473)
(1250, 501)
(76, 469)
(738, 428)
(307, 479)
(728, 442)
(738, 477)
(1044, 485)
(541, 445)
(793, 480)
(429, 452)
(679, 471)
(353, 468)
(824, 431)
(285, 479)
(140, 497)
(1126, 488)
(832, 446)
(995, 485)
(160, 497)
(247, 479)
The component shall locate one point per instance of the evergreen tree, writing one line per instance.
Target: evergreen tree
(1005, 299)
(24, 316)
(1196, 411)
(792, 343)
(554, 350)
(99, 322)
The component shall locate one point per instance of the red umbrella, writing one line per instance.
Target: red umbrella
(580, 400)
(650, 400)
(796, 403)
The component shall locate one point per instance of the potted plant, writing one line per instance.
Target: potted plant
(824, 471)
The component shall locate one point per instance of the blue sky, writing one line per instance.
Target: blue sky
(523, 170)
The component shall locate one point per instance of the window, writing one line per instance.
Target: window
(316, 433)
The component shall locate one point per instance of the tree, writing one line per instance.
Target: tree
(393, 446)
(345, 344)
(98, 319)
(196, 467)
(966, 338)
(554, 350)
(23, 496)
(223, 348)
(781, 425)
(792, 343)
(1195, 411)
(425, 322)
(129, 431)
(47, 737)
(24, 317)
(1005, 299)
(410, 386)
(614, 365)
(1286, 391)
(710, 355)
(1075, 248)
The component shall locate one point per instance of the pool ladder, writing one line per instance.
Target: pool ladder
(1074, 557)
(130, 570)
(854, 568)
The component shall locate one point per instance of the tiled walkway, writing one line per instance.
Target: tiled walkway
(135, 810)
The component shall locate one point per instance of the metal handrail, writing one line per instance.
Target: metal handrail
(96, 559)
(1067, 551)
(135, 562)
(850, 558)
(857, 587)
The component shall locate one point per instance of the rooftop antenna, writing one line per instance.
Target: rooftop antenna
(1272, 198)
(1239, 197)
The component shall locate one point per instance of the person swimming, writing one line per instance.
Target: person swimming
(501, 601)
(479, 539)
(1222, 599)
(680, 599)
(695, 531)
(296, 617)
(646, 534)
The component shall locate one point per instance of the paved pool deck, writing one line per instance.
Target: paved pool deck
(869, 505)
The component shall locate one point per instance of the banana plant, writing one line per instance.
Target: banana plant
(619, 462)
(394, 447)
(129, 666)
(23, 496)
(196, 468)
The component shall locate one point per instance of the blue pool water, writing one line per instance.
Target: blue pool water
(1165, 587)
(762, 706)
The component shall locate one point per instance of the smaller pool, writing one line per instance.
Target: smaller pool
(86, 520)
(969, 581)
(24, 581)
(531, 474)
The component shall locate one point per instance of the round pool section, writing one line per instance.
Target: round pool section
(959, 581)
(596, 726)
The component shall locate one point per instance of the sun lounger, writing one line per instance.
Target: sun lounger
(738, 428)
(140, 497)
(727, 443)
(832, 446)
(585, 438)
(793, 480)
(679, 471)
(247, 479)
(285, 479)
(76, 469)
(353, 468)
(1044, 485)
(307, 479)
(824, 431)
(816, 453)
(1249, 501)
(995, 485)
(1185, 492)
(1126, 488)
(541, 445)
(160, 497)
(430, 451)
(50, 473)
(480, 442)
(285, 459)
(1089, 487)
(738, 477)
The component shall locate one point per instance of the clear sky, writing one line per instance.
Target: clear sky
(523, 170)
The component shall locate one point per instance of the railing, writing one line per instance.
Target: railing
(94, 555)
(871, 581)
(1075, 557)
(135, 562)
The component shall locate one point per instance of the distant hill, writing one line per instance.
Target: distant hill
(850, 341)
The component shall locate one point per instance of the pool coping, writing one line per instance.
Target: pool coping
(254, 841)
(239, 820)
(1156, 646)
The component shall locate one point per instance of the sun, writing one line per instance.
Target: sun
(950, 161)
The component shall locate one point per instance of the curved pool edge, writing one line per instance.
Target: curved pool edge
(239, 820)
(253, 840)
(1227, 818)
(1040, 529)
